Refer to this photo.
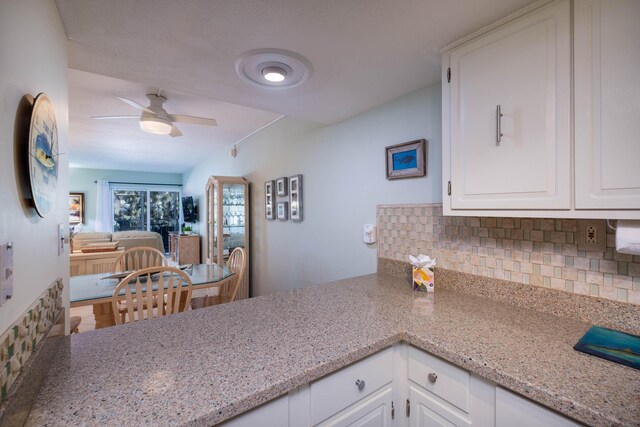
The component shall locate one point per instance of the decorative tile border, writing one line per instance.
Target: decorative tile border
(19, 341)
(538, 252)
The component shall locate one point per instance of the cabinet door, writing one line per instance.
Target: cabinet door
(524, 68)
(607, 110)
(426, 412)
(271, 414)
(513, 410)
(188, 250)
(373, 412)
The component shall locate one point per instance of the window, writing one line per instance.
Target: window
(142, 208)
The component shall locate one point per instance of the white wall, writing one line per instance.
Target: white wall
(82, 180)
(33, 59)
(344, 179)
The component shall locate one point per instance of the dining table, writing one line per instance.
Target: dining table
(97, 289)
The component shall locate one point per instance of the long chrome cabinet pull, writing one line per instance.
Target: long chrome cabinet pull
(498, 125)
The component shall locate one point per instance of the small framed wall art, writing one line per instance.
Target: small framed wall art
(283, 211)
(295, 197)
(269, 195)
(406, 160)
(281, 186)
(76, 208)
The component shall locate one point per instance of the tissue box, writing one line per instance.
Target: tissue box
(423, 279)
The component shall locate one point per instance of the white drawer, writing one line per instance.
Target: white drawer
(333, 393)
(440, 378)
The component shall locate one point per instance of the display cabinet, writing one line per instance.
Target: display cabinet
(227, 201)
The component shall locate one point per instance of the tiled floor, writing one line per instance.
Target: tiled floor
(87, 323)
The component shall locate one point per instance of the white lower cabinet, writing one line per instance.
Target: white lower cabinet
(401, 386)
(512, 409)
(335, 392)
(271, 414)
(427, 412)
(442, 394)
(372, 412)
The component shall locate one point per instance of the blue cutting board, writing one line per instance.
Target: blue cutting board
(612, 345)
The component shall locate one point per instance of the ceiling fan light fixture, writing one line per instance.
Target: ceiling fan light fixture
(155, 125)
(274, 74)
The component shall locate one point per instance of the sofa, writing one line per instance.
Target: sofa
(125, 239)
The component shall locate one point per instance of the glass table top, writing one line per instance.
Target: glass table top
(101, 286)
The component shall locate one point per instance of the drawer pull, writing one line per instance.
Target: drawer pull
(360, 384)
(432, 377)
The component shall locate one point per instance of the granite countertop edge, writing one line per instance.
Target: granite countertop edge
(394, 321)
(274, 391)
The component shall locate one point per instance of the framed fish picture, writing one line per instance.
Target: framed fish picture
(407, 160)
(43, 155)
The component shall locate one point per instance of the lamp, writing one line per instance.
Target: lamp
(156, 125)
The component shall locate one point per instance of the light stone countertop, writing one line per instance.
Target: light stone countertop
(205, 366)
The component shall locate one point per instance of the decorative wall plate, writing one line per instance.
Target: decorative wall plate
(43, 155)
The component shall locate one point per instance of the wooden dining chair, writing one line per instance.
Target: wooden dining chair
(140, 300)
(237, 263)
(138, 258)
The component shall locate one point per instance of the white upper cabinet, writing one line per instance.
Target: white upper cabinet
(510, 116)
(532, 128)
(607, 107)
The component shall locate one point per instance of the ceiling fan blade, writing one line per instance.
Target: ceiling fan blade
(114, 117)
(175, 132)
(192, 120)
(136, 105)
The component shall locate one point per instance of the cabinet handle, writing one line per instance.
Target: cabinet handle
(498, 125)
(432, 377)
(360, 384)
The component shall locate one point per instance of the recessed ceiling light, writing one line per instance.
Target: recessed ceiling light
(273, 68)
(274, 74)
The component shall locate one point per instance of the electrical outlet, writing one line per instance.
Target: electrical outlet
(592, 235)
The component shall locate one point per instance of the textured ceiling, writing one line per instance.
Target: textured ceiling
(363, 52)
(122, 145)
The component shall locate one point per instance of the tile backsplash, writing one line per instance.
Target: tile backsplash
(18, 342)
(532, 251)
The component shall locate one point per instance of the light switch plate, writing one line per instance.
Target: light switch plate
(6, 272)
(61, 239)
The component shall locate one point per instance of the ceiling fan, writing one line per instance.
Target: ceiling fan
(155, 119)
